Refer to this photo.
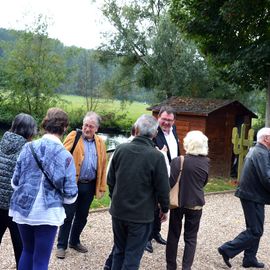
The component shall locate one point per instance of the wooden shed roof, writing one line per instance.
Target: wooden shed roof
(198, 106)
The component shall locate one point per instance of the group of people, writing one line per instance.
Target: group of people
(46, 184)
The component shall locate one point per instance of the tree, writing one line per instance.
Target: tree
(88, 79)
(34, 70)
(152, 53)
(234, 35)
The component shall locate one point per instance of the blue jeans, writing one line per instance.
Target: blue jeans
(78, 213)
(248, 240)
(129, 242)
(37, 246)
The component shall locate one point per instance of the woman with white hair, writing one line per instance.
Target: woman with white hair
(191, 198)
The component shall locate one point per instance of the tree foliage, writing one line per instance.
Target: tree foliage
(234, 35)
(152, 53)
(33, 71)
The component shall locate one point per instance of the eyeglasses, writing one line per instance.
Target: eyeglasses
(166, 120)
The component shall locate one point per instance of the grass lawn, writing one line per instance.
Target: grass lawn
(220, 184)
(213, 185)
(133, 110)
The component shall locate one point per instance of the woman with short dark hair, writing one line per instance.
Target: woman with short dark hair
(43, 180)
(22, 130)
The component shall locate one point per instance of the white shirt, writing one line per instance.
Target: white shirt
(172, 143)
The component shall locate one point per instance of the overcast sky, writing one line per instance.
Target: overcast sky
(74, 22)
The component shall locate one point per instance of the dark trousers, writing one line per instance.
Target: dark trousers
(109, 260)
(156, 228)
(37, 246)
(6, 222)
(248, 240)
(78, 213)
(191, 228)
(129, 242)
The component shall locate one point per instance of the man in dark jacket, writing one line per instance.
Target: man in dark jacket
(254, 193)
(137, 181)
(166, 140)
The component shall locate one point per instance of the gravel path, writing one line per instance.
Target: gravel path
(222, 220)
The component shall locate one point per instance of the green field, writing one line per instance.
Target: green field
(132, 110)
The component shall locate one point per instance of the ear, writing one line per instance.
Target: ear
(137, 132)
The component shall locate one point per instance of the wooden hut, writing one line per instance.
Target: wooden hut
(215, 118)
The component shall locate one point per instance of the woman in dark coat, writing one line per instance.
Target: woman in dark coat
(22, 130)
(191, 198)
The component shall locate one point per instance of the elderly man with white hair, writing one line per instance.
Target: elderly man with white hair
(254, 193)
(137, 181)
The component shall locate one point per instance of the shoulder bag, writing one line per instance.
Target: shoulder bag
(40, 167)
(174, 192)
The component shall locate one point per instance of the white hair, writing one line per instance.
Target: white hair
(196, 143)
(147, 125)
(262, 133)
(93, 116)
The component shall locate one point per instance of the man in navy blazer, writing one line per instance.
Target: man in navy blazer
(166, 140)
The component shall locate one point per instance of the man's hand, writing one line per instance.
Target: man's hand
(163, 149)
(163, 216)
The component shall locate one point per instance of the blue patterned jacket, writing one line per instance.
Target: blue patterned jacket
(59, 166)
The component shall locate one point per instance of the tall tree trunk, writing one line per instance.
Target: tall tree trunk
(267, 111)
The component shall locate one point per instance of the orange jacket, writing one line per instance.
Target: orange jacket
(78, 155)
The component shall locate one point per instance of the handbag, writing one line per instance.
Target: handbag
(174, 192)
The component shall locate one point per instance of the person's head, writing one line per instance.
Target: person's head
(196, 143)
(146, 125)
(263, 136)
(91, 123)
(55, 121)
(24, 125)
(166, 118)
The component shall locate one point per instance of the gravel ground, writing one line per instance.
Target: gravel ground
(222, 220)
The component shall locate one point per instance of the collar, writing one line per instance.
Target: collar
(88, 140)
(261, 145)
(52, 137)
(143, 139)
(166, 133)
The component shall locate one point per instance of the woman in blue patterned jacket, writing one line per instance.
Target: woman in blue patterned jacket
(22, 130)
(43, 180)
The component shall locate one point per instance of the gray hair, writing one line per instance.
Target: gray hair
(147, 126)
(94, 116)
(262, 133)
(196, 143)
(24, 125)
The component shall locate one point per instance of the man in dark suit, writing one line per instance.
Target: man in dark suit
(166, 140)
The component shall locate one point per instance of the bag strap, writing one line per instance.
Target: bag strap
(77, 137)
(181, 168)
(39, 165)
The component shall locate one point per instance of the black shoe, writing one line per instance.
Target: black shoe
(79, 247)
(225, 257)
(254, 264)
(149, 247)
(160, 240)
(107, 267)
